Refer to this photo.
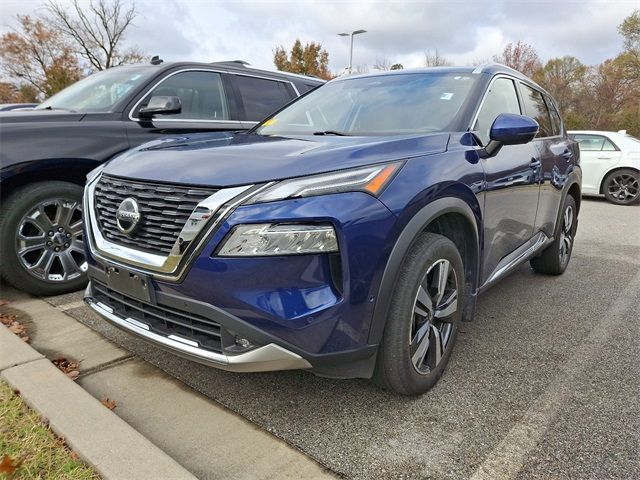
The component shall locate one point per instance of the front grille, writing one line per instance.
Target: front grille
(164, 210)
(162, 320)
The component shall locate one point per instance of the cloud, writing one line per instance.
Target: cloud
(400, 31)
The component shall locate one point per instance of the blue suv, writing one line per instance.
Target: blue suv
(348, 234)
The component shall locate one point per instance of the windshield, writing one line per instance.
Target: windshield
(99, 92)
(377, 105)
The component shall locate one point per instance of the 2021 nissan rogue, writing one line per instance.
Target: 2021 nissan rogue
(348, 234)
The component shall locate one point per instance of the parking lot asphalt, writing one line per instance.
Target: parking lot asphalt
(545, 383)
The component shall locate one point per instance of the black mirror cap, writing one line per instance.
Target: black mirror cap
(511, 129)
(161, 105)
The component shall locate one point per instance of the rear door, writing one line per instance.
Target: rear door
(259, 97)
(554, 152)
(598, 155)
(512, 180)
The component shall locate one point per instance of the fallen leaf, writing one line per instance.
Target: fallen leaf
(109, 403)
(7, 318)
(17, 328)
(67, 366)
(8, 465)
(74, 455)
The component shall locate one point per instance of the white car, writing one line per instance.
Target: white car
(610, 165)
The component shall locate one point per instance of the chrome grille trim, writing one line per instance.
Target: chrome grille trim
(172, 266)
(164, 209)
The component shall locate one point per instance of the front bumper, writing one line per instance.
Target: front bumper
(265, 358)
(298, 312)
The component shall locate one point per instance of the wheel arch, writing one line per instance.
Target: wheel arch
(65, 170)
(452, 217)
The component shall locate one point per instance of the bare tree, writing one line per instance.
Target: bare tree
(520, 56)
(382, 63)
(97, 28)
(37, 60)
(434, 59)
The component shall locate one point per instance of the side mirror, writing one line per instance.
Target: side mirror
(510, 129)
(161, 105)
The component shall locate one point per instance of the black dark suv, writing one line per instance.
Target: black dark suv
(47, 152)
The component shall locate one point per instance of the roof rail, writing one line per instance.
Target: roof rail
(235, 63)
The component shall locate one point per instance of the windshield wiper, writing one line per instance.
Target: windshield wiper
(332, 132)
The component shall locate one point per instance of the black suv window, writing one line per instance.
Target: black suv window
(535, 107)
(201, 94)
(501, 98)
(261, 97)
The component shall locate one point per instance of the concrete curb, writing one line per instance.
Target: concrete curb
(100, 437)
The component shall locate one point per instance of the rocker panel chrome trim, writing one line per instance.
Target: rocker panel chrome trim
(514, 259)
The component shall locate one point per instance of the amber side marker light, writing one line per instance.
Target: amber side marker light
(381, 179)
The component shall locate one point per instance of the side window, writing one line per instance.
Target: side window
(556, 122)
(261, 97)
(501, 98)
(201, 94)
(608, 146)
(535, 107)
(589, 143)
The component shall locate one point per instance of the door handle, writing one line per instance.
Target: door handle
(604, 158)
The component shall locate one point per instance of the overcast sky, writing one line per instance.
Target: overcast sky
(465, 32)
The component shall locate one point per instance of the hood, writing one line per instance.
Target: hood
(31, 116)
(230, 159)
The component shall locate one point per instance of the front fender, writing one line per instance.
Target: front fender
(418, 224)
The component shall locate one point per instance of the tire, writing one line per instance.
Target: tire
(34, 221)
(421, 330)
(622, 187)
(555, 258)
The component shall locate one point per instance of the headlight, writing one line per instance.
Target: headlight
(278, 239)
(371, 179)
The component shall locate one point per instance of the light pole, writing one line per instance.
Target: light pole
(355, 32)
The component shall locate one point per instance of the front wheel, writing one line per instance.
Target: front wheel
(622, 187)
(423, 318)
(555, 258)
(41, 243)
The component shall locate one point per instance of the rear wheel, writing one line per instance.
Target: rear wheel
(424, 316)
(622, 187)
(41, 243)
(555, 258)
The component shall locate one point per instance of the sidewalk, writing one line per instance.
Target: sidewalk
(176, 430)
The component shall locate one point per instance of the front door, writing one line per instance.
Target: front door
(206, 106)
(512, 181)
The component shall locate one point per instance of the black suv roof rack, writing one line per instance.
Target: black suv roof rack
(235, 63)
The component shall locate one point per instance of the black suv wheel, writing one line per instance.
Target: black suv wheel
(41, 242)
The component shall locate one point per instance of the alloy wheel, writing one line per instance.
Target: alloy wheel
(623, 187)
(435, 304)
(49, 241)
